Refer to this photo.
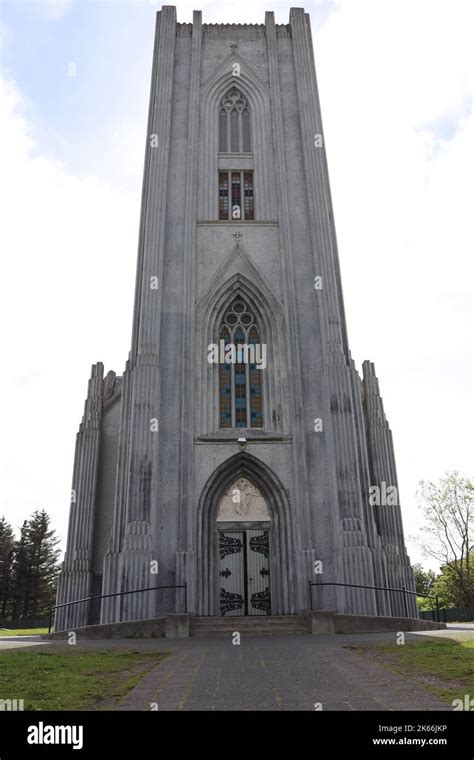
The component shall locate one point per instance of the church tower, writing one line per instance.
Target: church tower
(240, 452)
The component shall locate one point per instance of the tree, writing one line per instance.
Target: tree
(21, 574)
(447, 586)
(44, 562)
(6, 565)
(36, 567)
(449, 532)
(424, 579)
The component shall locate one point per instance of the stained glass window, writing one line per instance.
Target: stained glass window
(255, 379)
(223, 195)
(236, 199)
(238, 188)
(225, 386)
(248, 195)
(240, 378)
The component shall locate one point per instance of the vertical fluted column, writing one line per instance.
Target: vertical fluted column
(353, 558)
(317, 184)
(384, 477)
(354, 561)
(299, 460)
(110, 608)
(186, 514)
(138, 470)
(155, 175)
(76, 576)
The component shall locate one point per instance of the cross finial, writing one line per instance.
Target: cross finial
(237, 235)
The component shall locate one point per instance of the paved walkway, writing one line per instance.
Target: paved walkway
(274, 673)
(18, 642)
(269, 673)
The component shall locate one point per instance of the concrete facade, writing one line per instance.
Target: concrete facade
(147, 492)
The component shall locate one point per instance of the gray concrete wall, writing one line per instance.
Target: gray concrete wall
(107, 473)
(329, 622)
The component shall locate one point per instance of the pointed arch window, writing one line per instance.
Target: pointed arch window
(240, 378)
(234, 123)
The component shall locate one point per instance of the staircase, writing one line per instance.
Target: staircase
(253, 625)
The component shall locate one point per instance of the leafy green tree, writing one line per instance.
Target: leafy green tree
(447, 586)
(448, 535)
(424, 579)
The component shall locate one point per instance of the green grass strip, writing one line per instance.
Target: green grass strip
(72, 678)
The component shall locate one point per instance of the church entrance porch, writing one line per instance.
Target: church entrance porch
(245, 550)
(243, 525)
(244, 572)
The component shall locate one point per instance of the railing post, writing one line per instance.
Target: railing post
(405, 600)
(185, 598)
(50, 619)
(437, 607)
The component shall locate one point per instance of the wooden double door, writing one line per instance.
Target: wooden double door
(244, 572)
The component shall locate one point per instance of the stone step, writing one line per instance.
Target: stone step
(219, 633)
(246, 622)
(250, 618)
(250, 625)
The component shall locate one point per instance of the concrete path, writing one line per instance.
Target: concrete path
(274, 673)
(18, 642)
(268, 673)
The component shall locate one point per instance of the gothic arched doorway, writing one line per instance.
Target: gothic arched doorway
(243, 524)
(263, 514)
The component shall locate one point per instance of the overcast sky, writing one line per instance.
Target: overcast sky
(396, 80)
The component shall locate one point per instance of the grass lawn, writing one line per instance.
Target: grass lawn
(22, 631)
(443, 666)
(72, 678)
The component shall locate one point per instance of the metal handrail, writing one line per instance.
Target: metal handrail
(118, 593)
(402, 590)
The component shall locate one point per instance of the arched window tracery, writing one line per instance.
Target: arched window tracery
(234, 123)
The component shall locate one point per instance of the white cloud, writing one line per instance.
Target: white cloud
(68, 268)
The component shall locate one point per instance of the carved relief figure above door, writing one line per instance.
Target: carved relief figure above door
(243, 501)
(243, 524)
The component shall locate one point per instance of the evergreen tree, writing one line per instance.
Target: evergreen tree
(44, 557)
(21, 574)
(7, 541)
(36, 567)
